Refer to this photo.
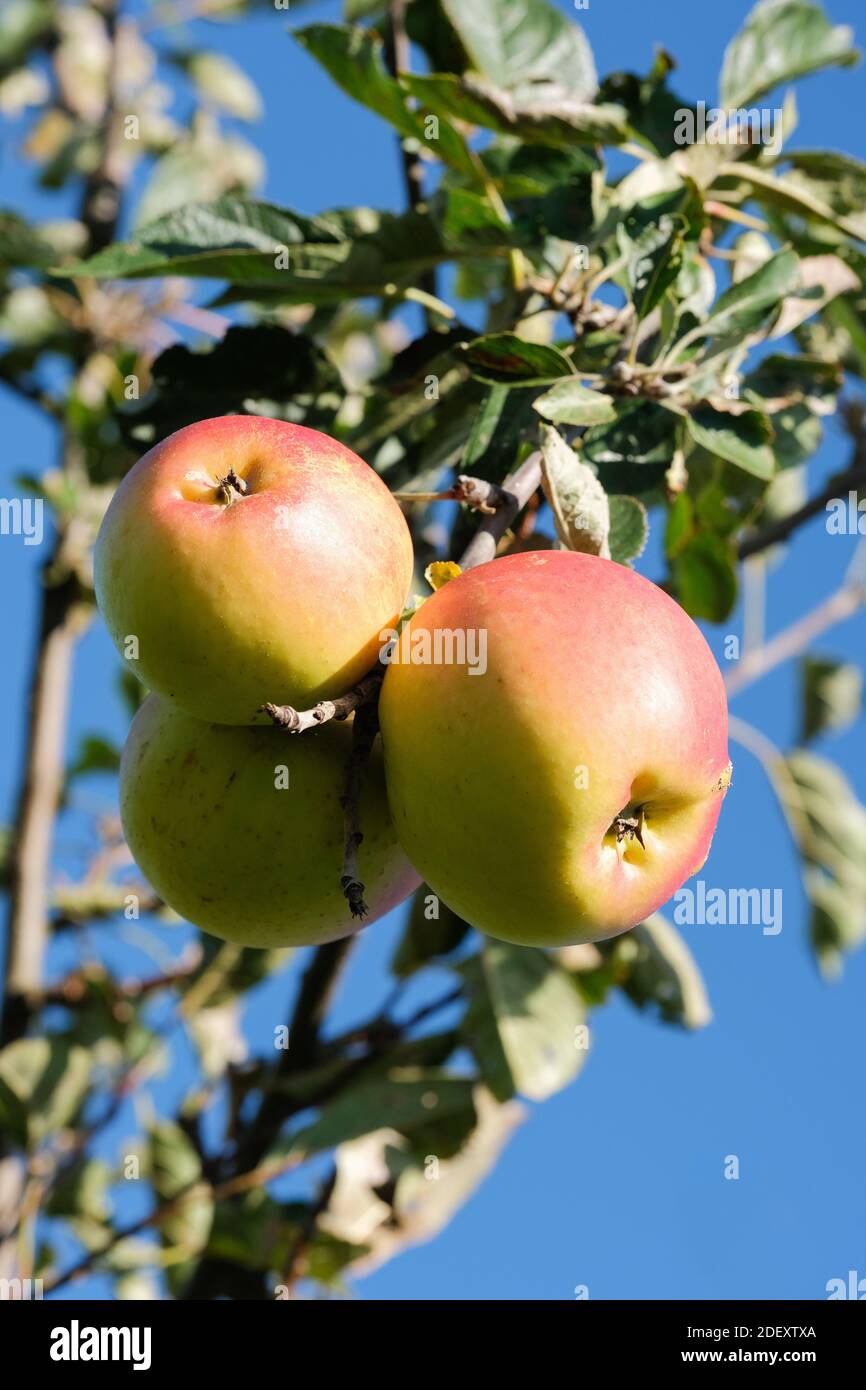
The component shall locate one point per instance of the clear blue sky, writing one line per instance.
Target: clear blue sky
(617, 1182)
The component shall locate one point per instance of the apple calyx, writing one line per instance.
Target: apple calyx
(628, 827)
(231, 487)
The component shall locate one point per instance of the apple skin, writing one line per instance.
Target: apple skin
(277, 596)
(591, 666)
(237, 857)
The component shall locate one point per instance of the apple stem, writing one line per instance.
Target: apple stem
(502, 505)
(477, 493)
(364, 731)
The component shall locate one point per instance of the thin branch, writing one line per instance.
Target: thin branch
(517, 490)
(232, 1187)
(850, 480)
(398, 57)
(796, 638)
(297, 1255)
(477, 493)
(27, 928)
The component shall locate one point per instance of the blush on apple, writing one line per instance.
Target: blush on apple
(246, 560)
(566, 793)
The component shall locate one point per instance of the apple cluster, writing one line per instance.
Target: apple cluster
(560, 794)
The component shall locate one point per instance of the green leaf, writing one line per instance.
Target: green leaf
(652, 108)
(791, 193)
(830, 824)
(661, 973)
(642, 434)
(796, 391)
(505, 358)
(834, 180)
(522, 1021)
(353, 58)
(747, 305)
(21, 24)
(503, 419)
(743, 439)
(279, 254)
(261, 362)
(95, 754)
(406, 1102)
(577, 499)
(780, 41)
(629, 528)
(426, 938)
(570, 403)
(221, 81)
(831, 694)
(198, 168)
(518, 43)
(43, 1082)
(21, 244)
(654, 254)
(705, 577)
(175, 1167)
(558, 121)
(470, 221)
(83, 1191)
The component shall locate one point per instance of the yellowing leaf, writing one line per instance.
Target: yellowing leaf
(440, 572)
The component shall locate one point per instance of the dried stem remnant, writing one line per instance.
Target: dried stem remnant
(297, 721)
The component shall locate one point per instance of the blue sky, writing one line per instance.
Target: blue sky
(616, 1183)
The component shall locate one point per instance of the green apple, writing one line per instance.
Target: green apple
(561, 790)
(240, 830)
(246, 560)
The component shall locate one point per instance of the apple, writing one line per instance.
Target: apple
(240, 830)
(246, 560)
(563, 793)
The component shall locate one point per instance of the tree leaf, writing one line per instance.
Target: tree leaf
(654, 258)
(641, 434)
(408, 1102)
(576, 497)
(831, 694)
(259, 362)
(661, 973)
(823, 277)
(423, 1198)
(522, 1020)
(518, 43)
(353, 58)
(629, 528)
(830, 825)
(780, 41)
(174, 1167)
(705, 577)
(554, 119)
(742, 439)
(275, 253)
(505, 358)
(749, 304)
(221, 81)
(83, 1191)
(792, 194)
(570, 403)
(95, 754)
(43, 1082)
